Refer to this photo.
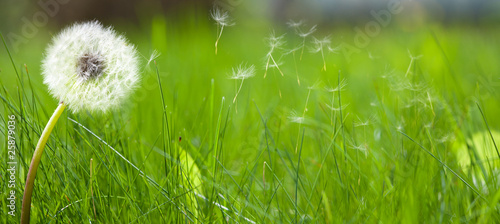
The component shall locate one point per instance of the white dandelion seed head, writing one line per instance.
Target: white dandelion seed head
(334, 49)
(339, 87)
(90, 67)
(243, 72)
(275, 42)
(221, 17)
(295, 25)
(320, 44)
(307, 33)
(333, 108)
(295, 118)
(153, 56)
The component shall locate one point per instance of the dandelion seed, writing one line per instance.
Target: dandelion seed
(294, 118)
(297, 26)
(292, 51)
(304, 35)
(242, 72)
(307, 33)
(446, 138)
(361, 123)
(340, 87)
(222, 20)
(294, 25)
(153, 57)
(334, 50)
(412, 59)
(319, 46)
(275, 42)
(361, 147)
(333, 108)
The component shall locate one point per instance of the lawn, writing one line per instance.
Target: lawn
(403, 130)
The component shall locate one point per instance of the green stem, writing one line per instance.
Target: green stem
(30, 180)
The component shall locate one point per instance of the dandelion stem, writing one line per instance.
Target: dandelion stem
(218, 37)
(276, 64)
(239, 89)
(323, 56)
(295, 63)
(303, 45)
(35, 161)
(267, 66)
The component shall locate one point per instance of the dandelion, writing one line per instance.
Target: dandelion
(275, 42)
(222, 20)
(319, 46)
(87, 67)
(242, 72)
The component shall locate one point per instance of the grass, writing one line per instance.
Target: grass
(375, 139)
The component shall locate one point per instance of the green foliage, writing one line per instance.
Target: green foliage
(373, 143)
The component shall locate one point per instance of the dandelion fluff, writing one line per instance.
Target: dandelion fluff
(90, 67)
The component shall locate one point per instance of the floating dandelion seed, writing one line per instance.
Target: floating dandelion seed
(90, 67)
(153, 57)
(295, 25)
(333, 108)
(334, 50)
(275, 42)
(87, 67)
(222, 20)
(319, 46)
(412, 60)
(242, 72)
(362, 123)
(304, 35)
(292, 51)
(295, 118)
(340, 87)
